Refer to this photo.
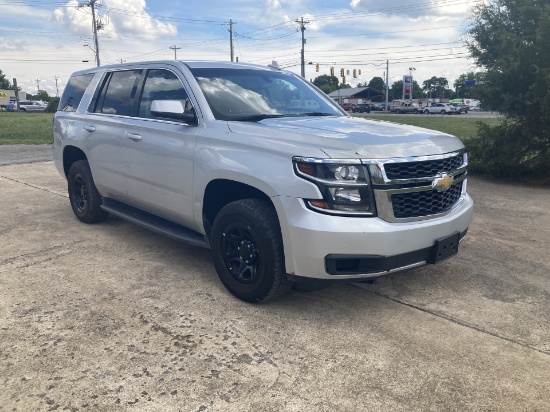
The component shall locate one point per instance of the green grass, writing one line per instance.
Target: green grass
(25, 128)
(36, 128)
(461, 126)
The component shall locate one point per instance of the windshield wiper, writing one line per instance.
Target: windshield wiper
(256, 117)
(317, 114)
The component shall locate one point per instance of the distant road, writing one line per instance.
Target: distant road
(475, 115)
(21, 153)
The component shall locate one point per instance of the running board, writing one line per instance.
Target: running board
(155, 223)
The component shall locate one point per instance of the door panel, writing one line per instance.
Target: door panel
(160, 152)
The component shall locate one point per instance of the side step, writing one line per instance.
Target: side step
(155, 223)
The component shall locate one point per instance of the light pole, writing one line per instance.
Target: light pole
(411, 69)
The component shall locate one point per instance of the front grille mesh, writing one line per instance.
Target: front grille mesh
(427, 168)
(416, 204)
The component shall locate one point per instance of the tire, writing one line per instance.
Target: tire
(22, 110)
(247, 248)
(426, 111)
(442, 112)
(83, 195)
(415, 111)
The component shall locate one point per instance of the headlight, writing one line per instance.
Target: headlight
(345, 186)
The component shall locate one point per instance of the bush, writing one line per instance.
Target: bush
(52, 105)
(509, 150)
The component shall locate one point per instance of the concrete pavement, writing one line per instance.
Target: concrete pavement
(113, 317)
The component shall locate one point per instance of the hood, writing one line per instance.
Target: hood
(348, 137)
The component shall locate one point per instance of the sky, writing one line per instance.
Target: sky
(43, 41)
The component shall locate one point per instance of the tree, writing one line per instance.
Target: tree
(378, 84)
(509, 39)
(41, 95)
(436, 87)
(52, 105)
(5, 83)
(326, 83)
(468, 92)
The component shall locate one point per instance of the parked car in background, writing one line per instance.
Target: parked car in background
(361, 108)
(441, 108)
(461, 107)
(32, 106)
(346, 106)
(405, 107)
(380, 107)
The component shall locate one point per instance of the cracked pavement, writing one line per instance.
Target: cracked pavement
(112, 317)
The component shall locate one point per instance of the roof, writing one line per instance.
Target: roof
(347, 92)
(357, 92)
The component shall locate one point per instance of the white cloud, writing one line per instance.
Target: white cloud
(118, 17)
(272, 5)
(11, 45)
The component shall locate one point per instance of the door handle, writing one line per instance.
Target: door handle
(89, 128)
(133, 136)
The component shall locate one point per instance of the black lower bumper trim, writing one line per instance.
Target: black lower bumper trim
(341, 264)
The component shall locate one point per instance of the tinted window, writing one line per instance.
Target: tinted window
(118, 92)
(74, 91)
(161, 85)
(235, 94)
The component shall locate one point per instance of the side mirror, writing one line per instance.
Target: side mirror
(173, 109)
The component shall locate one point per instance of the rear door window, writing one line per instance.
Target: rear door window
(74, 91)
(118, 93)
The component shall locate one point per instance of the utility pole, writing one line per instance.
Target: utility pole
(38, 84)
(56, 87)
(95, 27)
(175, 51)
(231, 23)
(303, 28)
(387, 87)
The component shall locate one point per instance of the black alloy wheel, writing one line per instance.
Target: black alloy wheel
(247, 248)
(83, 195)
(240, 253)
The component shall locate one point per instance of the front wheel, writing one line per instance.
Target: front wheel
(84, 197)
(426, 111)
(248, 252)
(442, 112)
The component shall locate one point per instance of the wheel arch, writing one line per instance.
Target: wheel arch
(220, 192)
(71, 154)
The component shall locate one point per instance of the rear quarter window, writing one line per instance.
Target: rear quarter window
(74, 91)
(118, 92)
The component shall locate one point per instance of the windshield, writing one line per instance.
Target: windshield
(252, 95)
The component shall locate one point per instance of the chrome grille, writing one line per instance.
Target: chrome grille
(415, 204)
(418, 188)
(427, 168)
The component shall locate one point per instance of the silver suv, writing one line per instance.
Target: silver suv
(263, 168)
(32, 106)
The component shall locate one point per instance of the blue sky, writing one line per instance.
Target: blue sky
(48, 39)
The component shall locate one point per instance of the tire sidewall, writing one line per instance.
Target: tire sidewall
(91, 213)
(268, 265)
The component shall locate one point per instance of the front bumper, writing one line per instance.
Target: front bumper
(313, 240)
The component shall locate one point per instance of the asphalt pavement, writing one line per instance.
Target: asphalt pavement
(113, 317)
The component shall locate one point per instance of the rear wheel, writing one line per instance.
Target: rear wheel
(442, 112)
(426, 111)
(248, 250)
(84, 197)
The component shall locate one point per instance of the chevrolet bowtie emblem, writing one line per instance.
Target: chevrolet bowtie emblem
(442, 183)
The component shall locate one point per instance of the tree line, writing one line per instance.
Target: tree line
(434, 87)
